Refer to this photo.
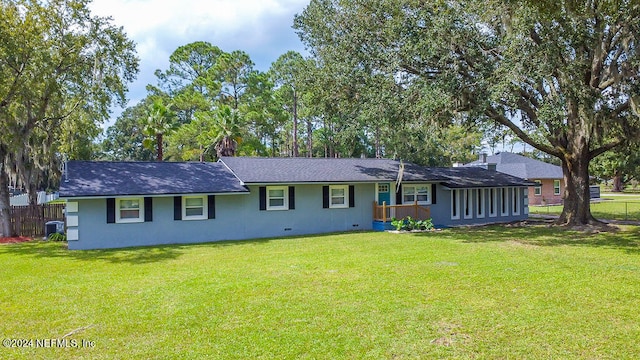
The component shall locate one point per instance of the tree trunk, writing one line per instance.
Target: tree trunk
(28, 175)
(159, 147)
(309, 138)
(617, 182)
(32, 191)
(5, 208)
(295, 124)
(377, 143)
(577, 198)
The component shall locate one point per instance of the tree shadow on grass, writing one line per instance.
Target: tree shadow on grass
(140, 255)
(539, 233)
(130, 255)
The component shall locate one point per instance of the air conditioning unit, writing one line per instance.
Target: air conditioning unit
(51, 227)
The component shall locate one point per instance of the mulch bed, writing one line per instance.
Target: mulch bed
(14, 239)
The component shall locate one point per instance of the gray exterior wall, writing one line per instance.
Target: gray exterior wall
(237, 217)
(441, 212)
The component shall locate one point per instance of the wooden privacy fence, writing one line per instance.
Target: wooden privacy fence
(386, 212)
(29, 220)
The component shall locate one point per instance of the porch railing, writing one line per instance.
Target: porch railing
(386, 212)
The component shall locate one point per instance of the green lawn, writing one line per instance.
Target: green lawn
(610, 207)
(488, 293)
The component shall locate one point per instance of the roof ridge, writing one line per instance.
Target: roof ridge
(141, 162)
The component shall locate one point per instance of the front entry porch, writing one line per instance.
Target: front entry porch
(383, 214)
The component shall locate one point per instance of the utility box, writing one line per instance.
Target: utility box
(51, 227)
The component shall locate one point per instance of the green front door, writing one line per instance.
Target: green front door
(384, 193)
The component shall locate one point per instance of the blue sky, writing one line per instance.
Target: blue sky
(262, 28)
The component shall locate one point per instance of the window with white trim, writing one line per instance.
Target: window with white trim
(537, 190)
(556, 187)
(338, 196)
(480, 203)
(277, 198)
(455, 204)
(467, 201)
(129, 210)
(516, 201)
(504, 201)
(419, 193)
(493, 202)
(194, 208)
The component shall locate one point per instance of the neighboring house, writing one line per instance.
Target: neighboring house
(120, 204)
(548, 178)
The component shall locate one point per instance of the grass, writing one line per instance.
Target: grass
(494, 292)
(611, 207)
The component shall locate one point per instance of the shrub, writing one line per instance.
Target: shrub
(408, 224)
(57, 237)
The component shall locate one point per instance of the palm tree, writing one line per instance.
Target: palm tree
(159, 122)
(228, 132)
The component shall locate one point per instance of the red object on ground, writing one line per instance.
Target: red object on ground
(14, 239)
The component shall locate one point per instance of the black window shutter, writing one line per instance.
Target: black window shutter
(177, 208)
(211, 207)
(399, 196)
(292, 197)
(111, 210)
(433, 193)
(263, 197)
(325, 197)
(148, 209)
(352, 196)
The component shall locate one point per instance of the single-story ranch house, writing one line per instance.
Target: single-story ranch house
(122, 204)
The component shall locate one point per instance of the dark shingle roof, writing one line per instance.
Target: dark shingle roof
(523, 167)
(101, 178)
(96, 178)
(476, 177)
(300, 170)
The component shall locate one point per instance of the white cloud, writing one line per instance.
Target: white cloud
(262, 28)
(142, 16)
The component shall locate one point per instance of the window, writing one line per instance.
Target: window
(468, 208)
(338, 196)
(556, 187)
(194, 208)
(129, 210)
(455, 204)
(277, 198)
(383, 188)
(419, 193)
(537, 191)
(480, 203)
(516, 201)
(504, 201)
(493, 202)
